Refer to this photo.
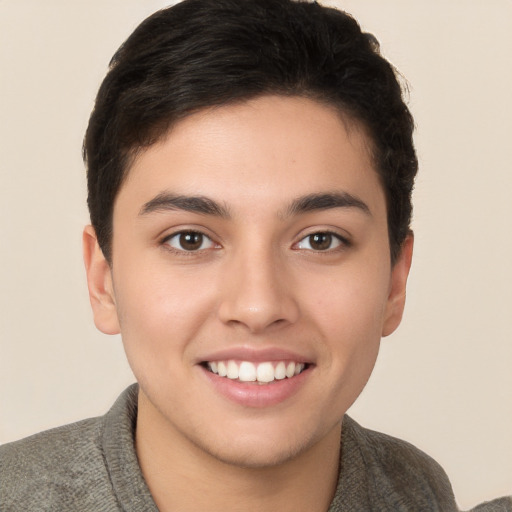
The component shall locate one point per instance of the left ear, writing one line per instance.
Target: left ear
(396, 298)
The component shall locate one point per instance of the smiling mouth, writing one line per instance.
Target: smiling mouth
(260, 373)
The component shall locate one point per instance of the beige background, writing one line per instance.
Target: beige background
(443, 381)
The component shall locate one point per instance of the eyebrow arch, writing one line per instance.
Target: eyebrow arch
(326, 201)
(198, 204)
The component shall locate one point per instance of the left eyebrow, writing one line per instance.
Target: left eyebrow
(326, 201)
(196, 204)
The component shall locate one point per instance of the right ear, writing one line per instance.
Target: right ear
(99, 282)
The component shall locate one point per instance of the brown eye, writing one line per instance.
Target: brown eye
(321, 241)
(189, 241)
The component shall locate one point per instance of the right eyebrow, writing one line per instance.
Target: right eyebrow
(166, 201)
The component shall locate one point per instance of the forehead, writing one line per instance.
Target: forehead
(261, 151)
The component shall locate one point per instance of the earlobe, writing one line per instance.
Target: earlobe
(396, 299)
(99, 282)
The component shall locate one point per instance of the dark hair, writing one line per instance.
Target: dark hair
(202, 53)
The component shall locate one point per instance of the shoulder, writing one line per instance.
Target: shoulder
(53, 470)
(40, 449)
(498, 505)
(401, 475)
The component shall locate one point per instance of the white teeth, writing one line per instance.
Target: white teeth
(232, 370)
(290, 370)
(222, 369)
(280, 371)
(247, 372)
(264, 372)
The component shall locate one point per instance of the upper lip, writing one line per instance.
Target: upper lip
(256, 355)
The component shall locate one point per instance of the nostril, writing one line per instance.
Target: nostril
(257, 306)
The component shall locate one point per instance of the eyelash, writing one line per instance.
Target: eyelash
(343, 243)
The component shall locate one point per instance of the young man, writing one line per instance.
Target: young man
(250, 167)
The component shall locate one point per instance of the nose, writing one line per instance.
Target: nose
(257, 292)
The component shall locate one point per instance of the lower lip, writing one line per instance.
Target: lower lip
(252, 394)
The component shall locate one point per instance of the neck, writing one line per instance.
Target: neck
(182, 476)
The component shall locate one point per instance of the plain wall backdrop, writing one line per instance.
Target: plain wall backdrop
(443, 380)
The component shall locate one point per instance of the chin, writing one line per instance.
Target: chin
(268, 446)
(258, 454)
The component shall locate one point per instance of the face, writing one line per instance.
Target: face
(251, 277)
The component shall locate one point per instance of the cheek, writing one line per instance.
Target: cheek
(159, 315)
(352, 309)
(350, 315)
(351, 326)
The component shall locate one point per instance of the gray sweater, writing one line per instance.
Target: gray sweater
(92, 466)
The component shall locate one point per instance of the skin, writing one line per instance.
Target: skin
(257, 282)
